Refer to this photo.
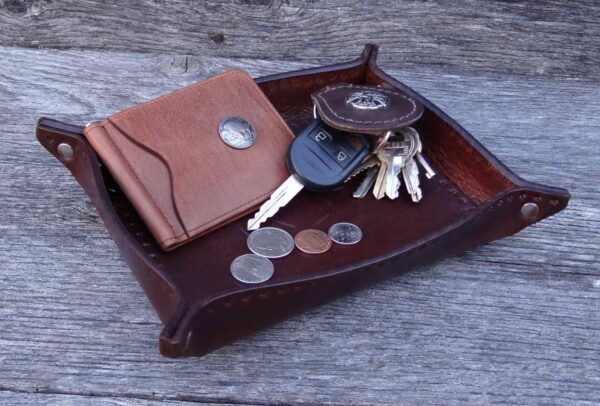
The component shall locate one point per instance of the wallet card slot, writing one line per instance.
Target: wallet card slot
(156, 173)
(143, 184)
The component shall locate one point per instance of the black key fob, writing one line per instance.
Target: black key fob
(322, 157)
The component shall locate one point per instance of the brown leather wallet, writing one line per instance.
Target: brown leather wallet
(172, 164)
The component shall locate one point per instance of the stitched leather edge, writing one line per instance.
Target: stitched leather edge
(397, 119)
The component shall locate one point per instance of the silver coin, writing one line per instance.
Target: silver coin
(252, 268)
(345, 233)
(237, 132)
(270, 242)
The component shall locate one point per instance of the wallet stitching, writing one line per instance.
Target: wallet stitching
(414, 105)
(173, 238)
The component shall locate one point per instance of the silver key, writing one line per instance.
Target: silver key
(369, 162)
(410, 173)
(367, 183)
(395, 162)
(396, 152)
(379, 188)
(280, 197)
(429, 171)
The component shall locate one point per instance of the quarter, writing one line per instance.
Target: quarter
(345, 233)
(312, 241)
(252, 268)
(270, 242)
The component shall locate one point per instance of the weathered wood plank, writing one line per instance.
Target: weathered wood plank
(53, 399)
(523, 37)
(512, 322)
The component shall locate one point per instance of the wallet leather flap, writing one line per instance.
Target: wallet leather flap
(366, 109)
(168, 157)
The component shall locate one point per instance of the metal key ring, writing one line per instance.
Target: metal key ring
(413, 136)
(382, 141)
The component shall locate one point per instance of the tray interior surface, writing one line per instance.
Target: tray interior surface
(197, 268)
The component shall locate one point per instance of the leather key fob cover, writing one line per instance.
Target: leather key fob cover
(366, 109)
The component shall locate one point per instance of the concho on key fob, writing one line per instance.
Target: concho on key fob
(320, 159)
(365, 109)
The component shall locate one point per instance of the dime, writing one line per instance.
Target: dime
(312, 241)
(252, 268)
(345, 233)
(270, 242)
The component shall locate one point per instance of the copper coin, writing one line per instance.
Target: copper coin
(312, 241)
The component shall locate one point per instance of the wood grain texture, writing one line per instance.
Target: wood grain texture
(549, 38)
(513, 322)
(54, 399)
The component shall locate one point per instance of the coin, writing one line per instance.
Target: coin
(252, 268)
(312, 241)
(270, 242)
(237, 132)
(345, 233)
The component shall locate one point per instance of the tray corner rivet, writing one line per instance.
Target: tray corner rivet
(65, 150)
(530, 210)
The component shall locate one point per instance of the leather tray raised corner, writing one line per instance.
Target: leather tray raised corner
(475, 199)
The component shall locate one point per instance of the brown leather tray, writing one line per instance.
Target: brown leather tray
(474, 199)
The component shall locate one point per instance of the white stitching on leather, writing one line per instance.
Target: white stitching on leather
(414, 105)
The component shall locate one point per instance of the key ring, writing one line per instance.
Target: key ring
(382, 141)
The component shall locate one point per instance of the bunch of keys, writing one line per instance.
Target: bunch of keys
(322, 158)
(396, 156)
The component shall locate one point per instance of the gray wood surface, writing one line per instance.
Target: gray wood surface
(513, 322)
(533, 37)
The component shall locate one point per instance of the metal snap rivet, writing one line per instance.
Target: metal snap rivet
(65, 150)
(530, 210)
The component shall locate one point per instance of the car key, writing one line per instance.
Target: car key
(320, 159)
